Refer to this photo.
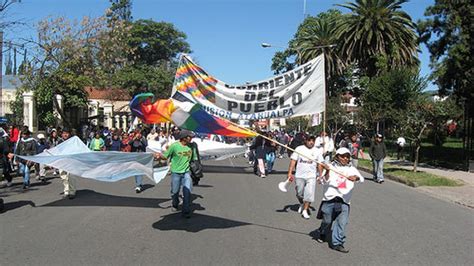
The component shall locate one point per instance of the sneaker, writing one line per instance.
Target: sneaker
(71, 196)
(321, 238)
(138, 189)
(300, 209)
(43, 179)
(263, 176)
(340, 248)
(9, 184)
(174, 209)
(37, 177)
(305, 214)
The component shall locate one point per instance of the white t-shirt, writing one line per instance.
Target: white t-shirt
(328, 143)
(401, 141)
(339, 186)
(306, 168)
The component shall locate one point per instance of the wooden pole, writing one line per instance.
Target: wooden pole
(283, 145)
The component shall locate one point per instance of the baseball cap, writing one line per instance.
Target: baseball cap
(40, 136)
(342, 151)
(185, 133)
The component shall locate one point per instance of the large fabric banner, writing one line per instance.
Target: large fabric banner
(74, 157)
(300, 91)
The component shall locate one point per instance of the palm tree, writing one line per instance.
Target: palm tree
(314, 33)
(374, 29)
(309, 45)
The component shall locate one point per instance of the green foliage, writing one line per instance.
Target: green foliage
(413, 178)
(120, 10)
(153, 60)
(337, 116)
(297, 123)
(315, 32)
(377, 28)
(312, 33)
(388, 96)
(448, 34)
(71, 56)
(156, 42)
(145, 78)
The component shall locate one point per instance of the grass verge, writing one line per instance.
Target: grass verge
(411, 178)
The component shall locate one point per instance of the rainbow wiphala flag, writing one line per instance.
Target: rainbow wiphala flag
(194, 80)
(185, 115)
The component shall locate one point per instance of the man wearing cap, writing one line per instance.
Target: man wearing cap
(305, 158)
(41, 168)
(337, 193)
(377, 152)
(180, 155)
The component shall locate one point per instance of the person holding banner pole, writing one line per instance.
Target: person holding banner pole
(306, 173)
(337, 193)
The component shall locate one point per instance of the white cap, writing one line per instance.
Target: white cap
(40, 136)
(343, 151)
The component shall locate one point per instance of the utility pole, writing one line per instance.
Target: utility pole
(1, 72)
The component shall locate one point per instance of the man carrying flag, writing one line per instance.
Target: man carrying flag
(180, 155)
(337, 192)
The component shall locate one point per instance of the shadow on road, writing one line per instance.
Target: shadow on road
(199, 222)
(226, 169)
(88, 197)
(196, 223)
(16, 204)
(293, 207)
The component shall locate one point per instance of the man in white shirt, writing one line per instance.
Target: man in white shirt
(337, 193)
(305, 158)
(327, 144)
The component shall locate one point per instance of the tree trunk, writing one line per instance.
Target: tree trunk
(417, 152)
(61, 112)
(418, 146)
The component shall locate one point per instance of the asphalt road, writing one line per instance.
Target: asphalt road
(238, 219)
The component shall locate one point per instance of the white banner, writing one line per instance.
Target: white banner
(300, 91)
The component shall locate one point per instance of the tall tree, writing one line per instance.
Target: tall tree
(156, 42)
(315, 36)
(377, 28)
(120, 10)
(448, 34)
(67, 57)
(154, 58)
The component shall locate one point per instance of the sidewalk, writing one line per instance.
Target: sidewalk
(463, 195)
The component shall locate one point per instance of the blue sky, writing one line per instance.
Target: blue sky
(225, 35)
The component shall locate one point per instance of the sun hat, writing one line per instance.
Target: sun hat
(342, 151)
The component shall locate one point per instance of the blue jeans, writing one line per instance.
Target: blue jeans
(270, 158)
(178, 180)
(138, 180)
(378, 169)
(339, 222)
(25, 170)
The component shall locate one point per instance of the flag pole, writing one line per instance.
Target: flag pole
(283, 145)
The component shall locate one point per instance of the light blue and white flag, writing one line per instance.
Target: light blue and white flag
(74, 157)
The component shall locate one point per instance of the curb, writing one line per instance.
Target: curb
(392, 177)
